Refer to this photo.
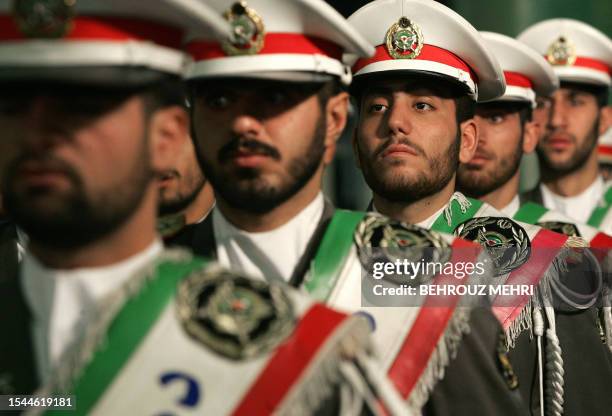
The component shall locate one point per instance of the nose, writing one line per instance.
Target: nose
(481, 128)
(399, 118)
(44, 127)
(246, 124)
(558, 115)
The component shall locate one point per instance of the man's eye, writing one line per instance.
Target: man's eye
(423, 106)
(377, 108)
(542, 104)
(217, 101)
(276, 97)
(495, 119)
(576, 101)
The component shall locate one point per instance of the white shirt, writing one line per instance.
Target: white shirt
(578, 207)
(513, 207)
(63, 302)
(426, 223)
(270, 255)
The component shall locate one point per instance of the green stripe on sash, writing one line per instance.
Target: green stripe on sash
(530, 213)
(457, 216)
(331, 255)
(599, 212)
(126, 332)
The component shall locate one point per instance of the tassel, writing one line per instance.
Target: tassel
(463, 202)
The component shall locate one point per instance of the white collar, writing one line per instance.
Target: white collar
(64, 302)
(95, 282)
(593, 191)
(512, 207)
(273, 254)
(426, 223)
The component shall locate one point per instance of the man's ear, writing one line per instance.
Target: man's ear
(605, 119)
(469, 140)
(336, 113)
(168, 130)
(531, 136)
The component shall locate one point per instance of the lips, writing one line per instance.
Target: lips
(42, 176)
(398, 150)
(558, 142)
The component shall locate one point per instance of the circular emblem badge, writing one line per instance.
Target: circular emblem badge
(560, 227)
(561, 52)
(44, 18)
(505, 241)
(232, 315)
(379, 238)
(248, 30)
(404, 39)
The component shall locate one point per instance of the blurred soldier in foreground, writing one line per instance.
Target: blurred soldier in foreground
(100, 310)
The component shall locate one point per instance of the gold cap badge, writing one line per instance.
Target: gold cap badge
(404, 39)
(44, 18)
(248, 30)
(561, 52)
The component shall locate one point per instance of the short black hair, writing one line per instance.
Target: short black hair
(599, 91)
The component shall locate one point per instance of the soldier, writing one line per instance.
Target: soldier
(185, 197)
(570, 180)
(492, 175)
(100, 311)
(267, 107)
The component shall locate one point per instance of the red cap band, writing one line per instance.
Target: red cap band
(105, 28)
(593, 64)
(517, 80)
(428, 53)
(274, 43)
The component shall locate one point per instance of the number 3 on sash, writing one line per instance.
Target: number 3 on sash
(191, 397)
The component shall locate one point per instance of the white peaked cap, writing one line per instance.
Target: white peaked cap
(293, 40)
(526, 72)
(577, 51)
(427, 37)
(39, 37)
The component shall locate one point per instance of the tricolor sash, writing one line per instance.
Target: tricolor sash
(602, 243)
(463, 214)
(187, 337)
(601, 217)
(414, 343)
(532, 213)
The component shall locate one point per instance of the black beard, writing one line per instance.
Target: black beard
(551, 171)
(255, 195)
(410, 191)
(181, 203)
(80, 219)
(476, 187)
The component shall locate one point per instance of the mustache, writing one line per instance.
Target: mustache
(403, 141)
(248, 145)
(558, 132)
(40, 161)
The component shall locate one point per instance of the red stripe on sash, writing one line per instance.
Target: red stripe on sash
(602, 244)
(290, 360)
(544, 248)
(429, 325)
